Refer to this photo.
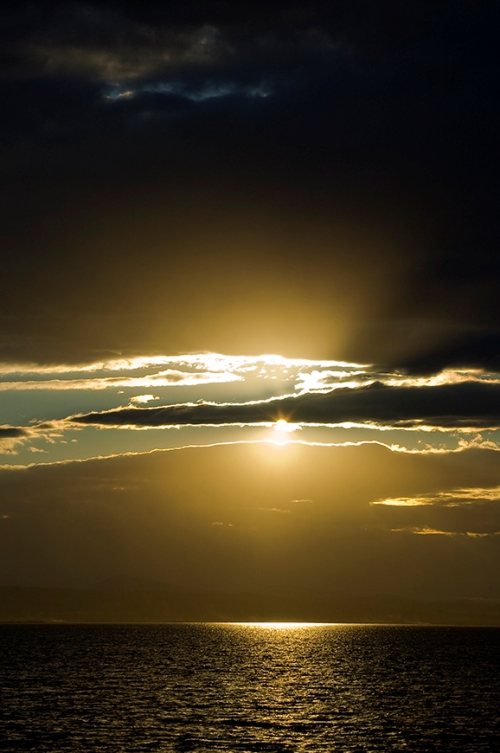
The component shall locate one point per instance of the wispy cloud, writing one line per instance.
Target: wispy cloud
(272, 509)
(451, 498)
(109, 47)
(194, 92)
(427, 531)
(12, 438)
(106, 45)
(167, 378)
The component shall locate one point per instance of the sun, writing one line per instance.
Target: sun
(283, 429)
(283, 426)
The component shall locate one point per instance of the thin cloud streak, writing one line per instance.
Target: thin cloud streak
(427, 531)
(168, 378)
(453, 498)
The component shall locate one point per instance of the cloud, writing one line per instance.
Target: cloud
(166, 378)
(451, 498)
(272, 509)
(463, 348)
(8, 432)
(12, 437)
(110, 45)
(154, 512)
(466, 404)
(426, 531)
(104, 71)
(162, 94)
(469, 510)
(139, 399)
(330, 411)
(130, 54)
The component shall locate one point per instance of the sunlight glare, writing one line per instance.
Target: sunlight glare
(281, 625)
(283, 426)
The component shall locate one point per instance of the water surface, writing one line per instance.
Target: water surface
(208, 687)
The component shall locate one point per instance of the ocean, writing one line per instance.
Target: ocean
(246, 688)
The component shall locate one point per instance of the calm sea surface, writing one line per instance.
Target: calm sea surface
(209, 687)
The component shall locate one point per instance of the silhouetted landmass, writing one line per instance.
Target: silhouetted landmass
(23, 604)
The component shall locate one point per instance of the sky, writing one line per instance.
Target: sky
(250, 296)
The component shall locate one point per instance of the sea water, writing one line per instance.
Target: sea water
(246, 688)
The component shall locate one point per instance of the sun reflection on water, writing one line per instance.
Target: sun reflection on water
(281, 625)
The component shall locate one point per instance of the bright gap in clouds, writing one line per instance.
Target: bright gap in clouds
(38, 405)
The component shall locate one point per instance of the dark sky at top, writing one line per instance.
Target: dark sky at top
(315, 179)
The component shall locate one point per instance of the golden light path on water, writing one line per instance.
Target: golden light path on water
(282, 625)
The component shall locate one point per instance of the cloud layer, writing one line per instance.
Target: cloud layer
(298, 519)
(457, 405)
(55, 412)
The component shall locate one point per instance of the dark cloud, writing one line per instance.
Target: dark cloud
(11, 437)
(337, 62)
(127, 127)
(479, 350)
(464, 404)
(12, 432)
